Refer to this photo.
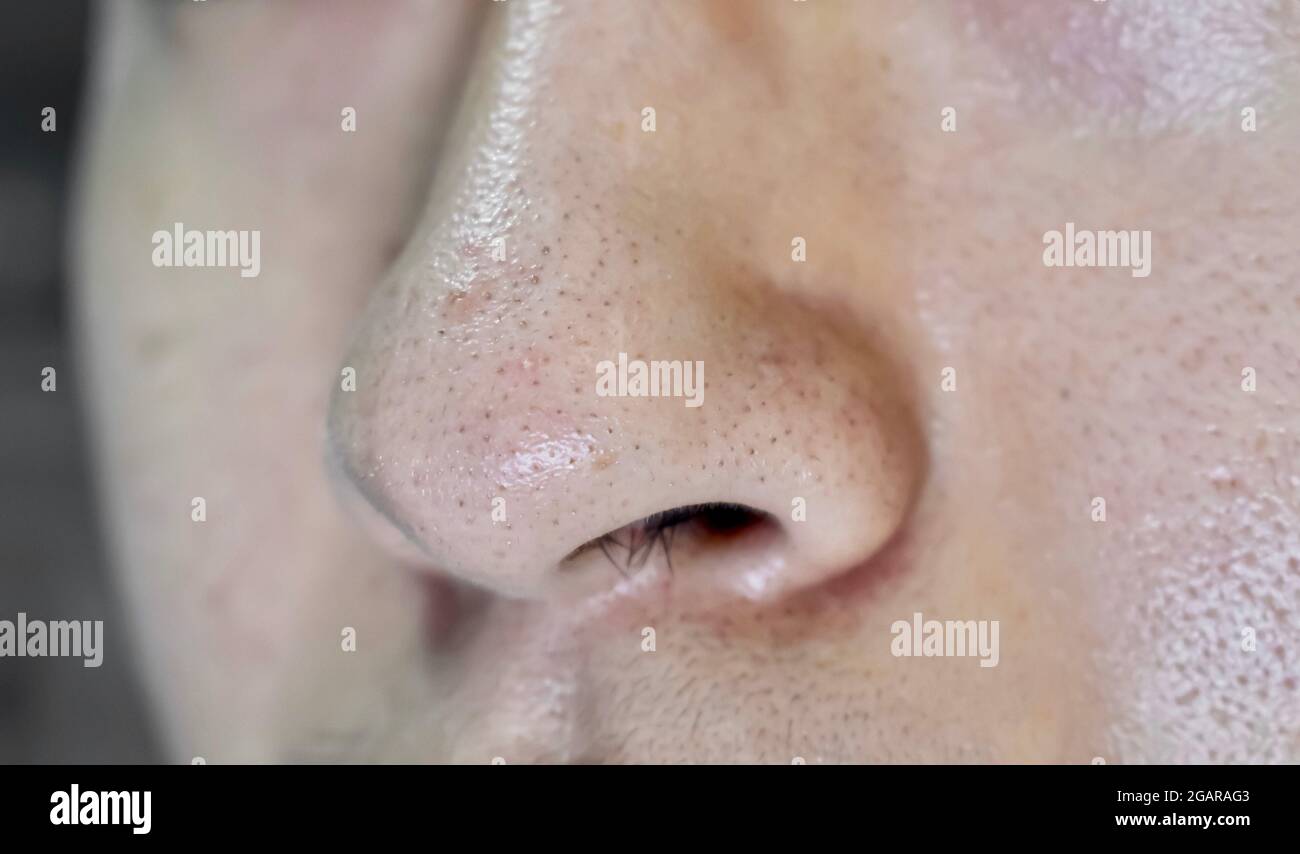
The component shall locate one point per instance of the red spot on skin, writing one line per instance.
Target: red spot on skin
(521, 372)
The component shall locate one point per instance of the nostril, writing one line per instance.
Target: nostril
(730, 518)
(692, 531)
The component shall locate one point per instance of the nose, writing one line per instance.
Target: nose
(589, 355)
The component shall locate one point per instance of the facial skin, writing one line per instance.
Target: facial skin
(482, 636)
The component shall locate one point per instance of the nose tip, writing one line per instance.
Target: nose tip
(496, 458)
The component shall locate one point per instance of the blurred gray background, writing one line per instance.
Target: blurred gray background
(52, 562)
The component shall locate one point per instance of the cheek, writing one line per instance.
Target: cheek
(1204, 613)
(278, 78)
(268, 53)
(1203, 596)
(1154, 66)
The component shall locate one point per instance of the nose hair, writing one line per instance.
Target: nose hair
(553, 359)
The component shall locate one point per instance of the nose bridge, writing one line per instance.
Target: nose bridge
(552, 359)
(470, 391)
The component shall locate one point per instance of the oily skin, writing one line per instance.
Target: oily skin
(478, 637)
